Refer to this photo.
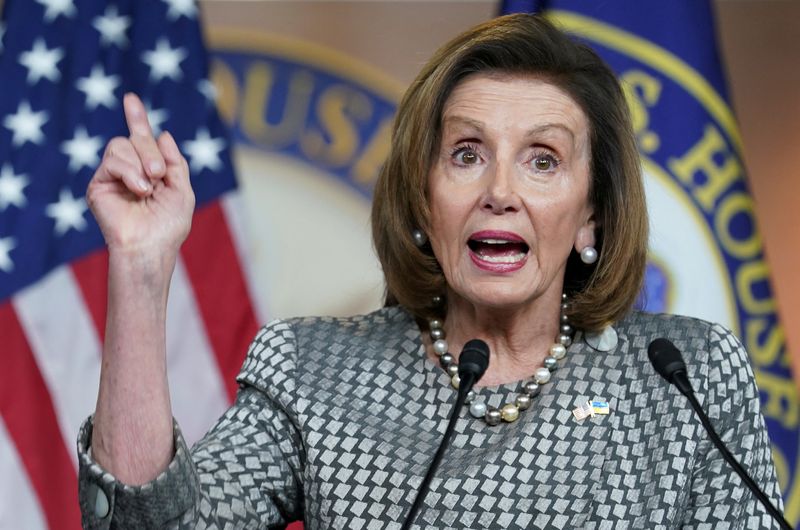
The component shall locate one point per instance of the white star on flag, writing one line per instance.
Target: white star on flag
(99, 88)
(178, 8)
(204, 151)
(164, 61)
(207, 88)
(11, 187)
(41, 62)
(82, 150)
(68, 212)
(26, 125)
(112, 27)
(156, 117)
(53, 8)
(7, 244)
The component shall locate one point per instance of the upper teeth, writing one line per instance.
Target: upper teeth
(495, 241)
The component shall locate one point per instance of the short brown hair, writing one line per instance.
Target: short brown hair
(528, 45)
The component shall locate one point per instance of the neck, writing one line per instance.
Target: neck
(519, 338)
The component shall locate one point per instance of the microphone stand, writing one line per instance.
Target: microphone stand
(668, 363)
(473, 361)
(465, 384)
(726, 454)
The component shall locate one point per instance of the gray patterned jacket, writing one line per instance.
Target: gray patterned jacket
(337, 420)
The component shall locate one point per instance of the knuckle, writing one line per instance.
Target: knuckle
(91, 196)
(115, 147)
(113, 165)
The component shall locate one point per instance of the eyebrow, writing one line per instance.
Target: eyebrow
(545, 127)
(550, 126)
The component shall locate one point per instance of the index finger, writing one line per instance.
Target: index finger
(136, 115)
(142, 136)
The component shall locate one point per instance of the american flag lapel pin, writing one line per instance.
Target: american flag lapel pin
(583, 411)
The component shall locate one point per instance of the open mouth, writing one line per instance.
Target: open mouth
(494, 250)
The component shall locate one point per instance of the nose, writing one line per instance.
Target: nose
(500, 194)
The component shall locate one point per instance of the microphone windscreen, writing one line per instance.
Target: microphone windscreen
(665, 358)
(474, 358)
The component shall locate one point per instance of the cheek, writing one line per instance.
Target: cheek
(449, 208)
(449, 216)
(444, 231)
(557, 221)
(438, 217)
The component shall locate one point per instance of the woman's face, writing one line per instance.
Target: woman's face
(509, 189)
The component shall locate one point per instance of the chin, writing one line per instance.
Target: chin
(502, 296)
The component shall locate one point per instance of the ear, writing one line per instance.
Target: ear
(586, 234)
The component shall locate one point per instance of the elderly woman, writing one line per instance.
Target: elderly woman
(510, 209)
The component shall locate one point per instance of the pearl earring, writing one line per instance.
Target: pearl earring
(419, 237)
(588, 255)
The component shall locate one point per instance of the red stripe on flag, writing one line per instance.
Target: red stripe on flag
(91, 273)
(27, 409)
(218, 281)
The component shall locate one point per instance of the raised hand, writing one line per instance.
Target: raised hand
(141, 195)
(143, 201)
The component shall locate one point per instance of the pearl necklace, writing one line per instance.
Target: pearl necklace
(509, 412)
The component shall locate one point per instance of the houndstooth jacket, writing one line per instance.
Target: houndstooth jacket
(337, 420)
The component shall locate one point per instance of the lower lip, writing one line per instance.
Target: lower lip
(497, 267)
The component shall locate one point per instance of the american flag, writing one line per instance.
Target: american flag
(64, 66)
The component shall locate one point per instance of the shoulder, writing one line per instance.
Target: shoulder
(371, 326)
(362, 336)
(680, 328)
(710, 350)
(287, 345)
(687, 333)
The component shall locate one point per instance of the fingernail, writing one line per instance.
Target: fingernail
(156, 167)
(144, 185)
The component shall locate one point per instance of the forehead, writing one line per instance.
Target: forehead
(514, 101)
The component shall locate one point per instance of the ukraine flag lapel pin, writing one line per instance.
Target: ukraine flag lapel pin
(591, 409)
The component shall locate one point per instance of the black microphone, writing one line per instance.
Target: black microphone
(668, 362)
(472, 364)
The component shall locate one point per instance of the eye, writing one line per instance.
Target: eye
(545, 162)
(465, 155)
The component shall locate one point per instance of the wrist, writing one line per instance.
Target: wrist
(141, 269)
